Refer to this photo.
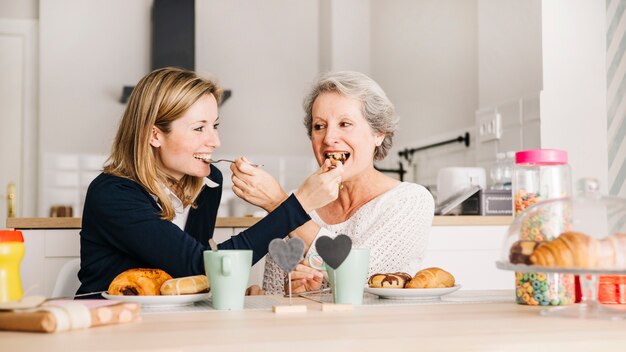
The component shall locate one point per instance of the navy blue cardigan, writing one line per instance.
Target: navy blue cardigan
(122, 229)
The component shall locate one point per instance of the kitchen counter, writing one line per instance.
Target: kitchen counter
(75, 223)
(497, 326)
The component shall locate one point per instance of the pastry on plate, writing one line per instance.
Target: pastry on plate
(185, 285)
(394, 280)
(431, 278)
(138, 282)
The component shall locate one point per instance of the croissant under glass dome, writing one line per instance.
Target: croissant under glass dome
(584, 234)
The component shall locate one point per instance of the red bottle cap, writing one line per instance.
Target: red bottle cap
(11, 236)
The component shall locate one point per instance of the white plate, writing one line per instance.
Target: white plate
(411, 293)
(160, 301)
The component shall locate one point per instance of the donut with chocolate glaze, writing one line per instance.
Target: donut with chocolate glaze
(395, 280)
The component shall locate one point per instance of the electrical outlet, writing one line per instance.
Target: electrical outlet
(489, 126)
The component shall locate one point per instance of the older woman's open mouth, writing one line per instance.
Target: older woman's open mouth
(337, 156)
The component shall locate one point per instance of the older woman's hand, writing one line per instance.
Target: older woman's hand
(320, 188)
(304, 278)
(256, 186)
(255, 290)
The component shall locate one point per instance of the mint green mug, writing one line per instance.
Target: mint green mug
(228, 272)
(348, 281)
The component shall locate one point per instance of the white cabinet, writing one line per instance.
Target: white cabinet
(46, 252)
(470, 253)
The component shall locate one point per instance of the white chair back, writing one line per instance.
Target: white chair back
(67, 281)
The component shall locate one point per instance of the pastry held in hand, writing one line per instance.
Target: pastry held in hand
(333, 251)
(394, 280)
(337, 156)
(287, 254)
(431, 278)
(138, 282)
(185, 285)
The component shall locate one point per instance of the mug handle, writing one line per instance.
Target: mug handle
(226, 266)
(314, 259)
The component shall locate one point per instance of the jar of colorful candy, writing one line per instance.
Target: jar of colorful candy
(542, 174)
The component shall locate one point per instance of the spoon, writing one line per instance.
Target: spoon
(213, 245)
(211, 161)
(230, 161)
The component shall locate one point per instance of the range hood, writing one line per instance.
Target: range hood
(173, 38)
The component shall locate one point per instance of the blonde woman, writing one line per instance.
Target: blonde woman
(155, 204)
(348, 114)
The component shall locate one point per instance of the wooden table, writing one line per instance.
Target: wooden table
(454, 327)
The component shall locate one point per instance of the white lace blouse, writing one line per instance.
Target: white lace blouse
(394, 225)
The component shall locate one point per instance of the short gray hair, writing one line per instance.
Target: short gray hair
(377, 109)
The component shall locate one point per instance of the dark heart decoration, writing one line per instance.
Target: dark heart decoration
(287, 254)
(333, 251)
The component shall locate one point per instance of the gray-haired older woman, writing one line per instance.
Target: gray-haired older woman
(349, 117)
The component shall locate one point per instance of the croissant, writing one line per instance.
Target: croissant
(569, 250)
(138, 282)
(394, 280)
(431, 278)
(185, 285)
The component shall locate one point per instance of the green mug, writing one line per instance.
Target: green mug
(228, 272)
(348, 281)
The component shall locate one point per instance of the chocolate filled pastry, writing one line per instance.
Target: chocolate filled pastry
(185, 285)
(139, 282)
(521, 251)
(431, 278)
(395, 280)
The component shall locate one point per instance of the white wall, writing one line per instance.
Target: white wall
(22, 9)
(509, 50)
(424, 54)
(267, 53)
(509, 75)
(88, 51)
(346, 28)
(573, 101)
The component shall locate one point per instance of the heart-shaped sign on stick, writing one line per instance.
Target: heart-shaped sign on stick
(333, 251)
(287, 254)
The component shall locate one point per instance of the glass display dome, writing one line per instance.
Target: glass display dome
(584, 234)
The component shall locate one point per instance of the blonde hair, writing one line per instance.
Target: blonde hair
(377, 109)
(159, 98)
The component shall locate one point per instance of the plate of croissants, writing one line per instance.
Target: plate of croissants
(155, 287)
(428, 283)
